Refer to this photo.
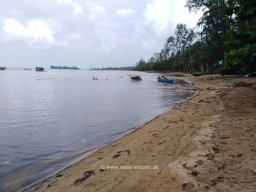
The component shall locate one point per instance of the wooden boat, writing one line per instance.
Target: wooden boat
(39, 69)
(163, 79)
(135, 78)
(2, 68)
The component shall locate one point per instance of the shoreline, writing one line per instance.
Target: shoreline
(90, 152)
(170, 152)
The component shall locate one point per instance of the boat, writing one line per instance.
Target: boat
(2, 68)
(135, 78)
(39, 69)
(163, 79)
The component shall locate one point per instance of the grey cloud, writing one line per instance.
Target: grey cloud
(85, 29)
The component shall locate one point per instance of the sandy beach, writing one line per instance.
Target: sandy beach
(204, 144)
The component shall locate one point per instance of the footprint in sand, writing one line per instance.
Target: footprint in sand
(118, 154)
(86, 175)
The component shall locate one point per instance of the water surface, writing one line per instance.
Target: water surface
(49, 118)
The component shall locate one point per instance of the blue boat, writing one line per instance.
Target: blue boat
(163, 79)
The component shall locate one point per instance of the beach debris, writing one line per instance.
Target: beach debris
(200, 162)
(184, 165)
(252, 74)
(243, 84)
(86, 175)
(210, 156)
(49, 185)
(59, 175)
(162, 142)
(116, 155)
(239, 155)
(89, 173)
(220, 178)
(188, 187)
(127, 151)
(216, 180)
(225, 137)
(223, 142)
(216, 149)
(222, 167)
(194, 173)
(202, 142)
(119, 153)
(213, 182)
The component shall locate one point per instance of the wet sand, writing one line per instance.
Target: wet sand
(205, 144)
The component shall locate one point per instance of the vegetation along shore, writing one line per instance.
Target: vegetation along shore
(223, 42)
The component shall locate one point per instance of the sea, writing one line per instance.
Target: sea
(50, 120)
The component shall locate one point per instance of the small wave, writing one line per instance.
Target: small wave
(40, 79)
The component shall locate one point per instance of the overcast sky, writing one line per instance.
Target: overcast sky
(86, 33)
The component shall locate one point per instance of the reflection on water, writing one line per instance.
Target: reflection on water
(48, 119)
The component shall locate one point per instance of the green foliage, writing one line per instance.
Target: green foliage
(228, 35)
(242, 60)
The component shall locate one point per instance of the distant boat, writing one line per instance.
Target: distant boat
(39, 69)
(27, 69)
(135, 78)
(94, 78)
(163, 79)
(2, 68)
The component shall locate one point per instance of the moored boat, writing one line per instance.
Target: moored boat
(163, 79)
(135, 78)
(2, 68)
(39, 69)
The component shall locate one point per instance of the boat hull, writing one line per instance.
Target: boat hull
(166, 80)
(136, 78)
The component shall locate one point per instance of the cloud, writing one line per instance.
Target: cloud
(164, 15)
(125, 12)
(124, 29)
(95, 10)
(33, 31)
(157, 13)
(181, 14)
(77, 7)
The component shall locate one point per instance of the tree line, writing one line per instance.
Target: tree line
(226, 42)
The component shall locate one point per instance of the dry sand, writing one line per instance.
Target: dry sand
(205, 144)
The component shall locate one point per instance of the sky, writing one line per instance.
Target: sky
(87, 33)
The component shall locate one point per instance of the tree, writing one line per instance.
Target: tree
(240, 53)
(141, 66)
(228, 29)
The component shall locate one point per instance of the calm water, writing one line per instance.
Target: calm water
(47, 119)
